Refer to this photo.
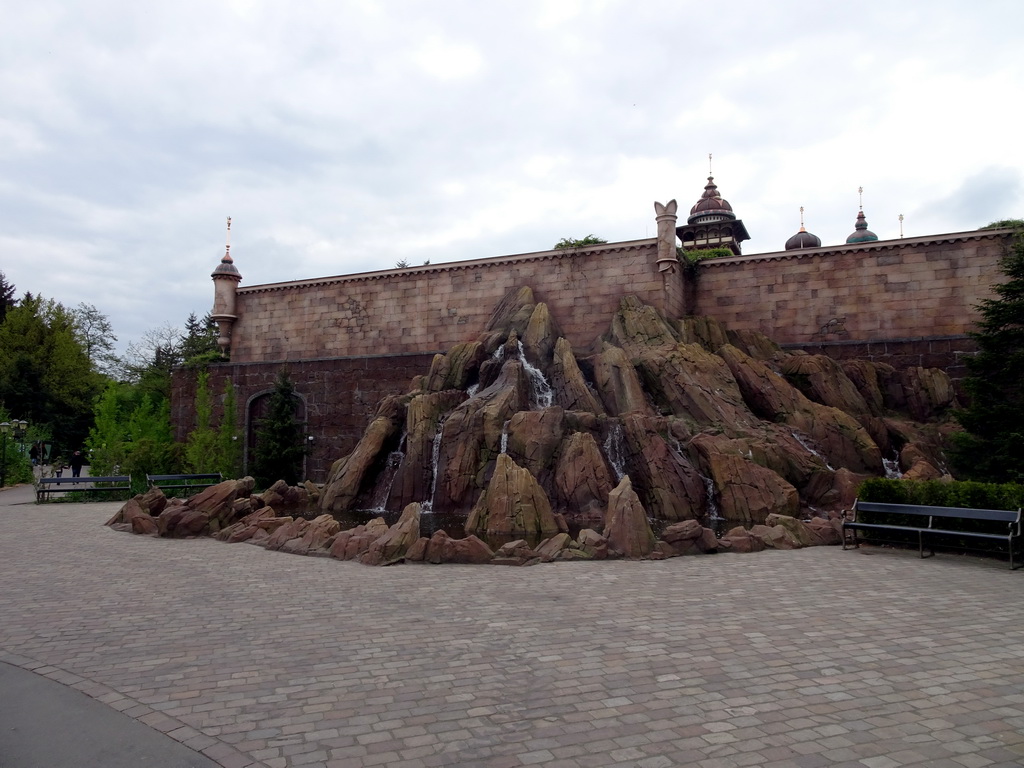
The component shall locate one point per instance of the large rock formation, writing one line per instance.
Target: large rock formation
(514, 429)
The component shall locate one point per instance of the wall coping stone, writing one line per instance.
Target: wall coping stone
(305, 360)
(451, 266)
(878, 245)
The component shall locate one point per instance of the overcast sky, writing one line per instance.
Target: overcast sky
(343, 136)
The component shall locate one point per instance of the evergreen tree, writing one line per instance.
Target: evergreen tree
(199, 344)
(46, 376)
(280, 444)
(202, 444)
(992, 448)
(6, 296)
(229, 441)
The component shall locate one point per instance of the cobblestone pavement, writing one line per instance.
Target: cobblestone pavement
(796, 659)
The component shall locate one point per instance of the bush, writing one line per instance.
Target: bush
(935, 493)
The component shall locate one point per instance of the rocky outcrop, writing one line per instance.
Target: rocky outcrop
(513, 504)
(627, 530)
(392, 546)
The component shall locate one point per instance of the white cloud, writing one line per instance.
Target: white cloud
(343, 136)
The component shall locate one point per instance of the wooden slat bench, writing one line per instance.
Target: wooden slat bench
(186, 483)
(111, 484)
(930, 526)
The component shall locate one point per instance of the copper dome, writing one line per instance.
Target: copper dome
(803, 239)
(711, 205)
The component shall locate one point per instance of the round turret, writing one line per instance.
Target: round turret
(862, 234)
(803, 239)
(711, 206)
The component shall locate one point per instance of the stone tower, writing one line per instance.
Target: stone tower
(712, 223)
(226, 278)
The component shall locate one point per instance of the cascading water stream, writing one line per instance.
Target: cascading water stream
(388, 475)
(892, 467)
(615, 450)
(504, 437)
(807, 446)
(427, 507)
(541, 394)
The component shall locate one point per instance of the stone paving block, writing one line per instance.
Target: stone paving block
(640, 666)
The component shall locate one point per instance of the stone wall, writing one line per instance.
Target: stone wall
(339, 397)
(433, 307)
(914, 289)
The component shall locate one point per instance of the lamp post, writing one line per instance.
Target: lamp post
(18, 427)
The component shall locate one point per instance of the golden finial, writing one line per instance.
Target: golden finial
(901, 225)
(227, 250)
(860, 195)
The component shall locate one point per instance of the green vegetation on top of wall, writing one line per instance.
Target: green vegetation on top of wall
(937, 493)
(568, 242)
(1005, 224)
(702, 254)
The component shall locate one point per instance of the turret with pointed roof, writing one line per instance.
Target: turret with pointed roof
(712, 223)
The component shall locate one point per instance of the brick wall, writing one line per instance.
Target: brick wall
(339, 397)
(916, 288)
(434, 307)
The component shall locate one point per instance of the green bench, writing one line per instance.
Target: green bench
(111, 484)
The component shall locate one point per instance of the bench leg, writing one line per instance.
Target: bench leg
(920, 546)
(850, 537)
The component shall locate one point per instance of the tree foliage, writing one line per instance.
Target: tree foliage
(46, 376)
(280, 441)
(95, 333)
(583, 242)
(6, 296)
(992, 448)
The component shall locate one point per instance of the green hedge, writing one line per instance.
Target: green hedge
(936, 493)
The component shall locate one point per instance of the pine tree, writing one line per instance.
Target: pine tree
(280, 446)
(992, 448)
(229, 441)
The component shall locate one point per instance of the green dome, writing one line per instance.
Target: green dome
(862, 234)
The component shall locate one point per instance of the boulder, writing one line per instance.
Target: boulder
(550, 549)
(592, 543)
(512, 504)
(392, 546)
(689, 538)
(627, 530)
(739, 539)
(582, 480)
(540, 336)
(618, 383)
(354, 542)
(442, 548)
(822, 379)
(286, 533)
(515, 552)
(569, 388)
(669, 487)
(347, 476)
(316, 537)
(455, 369)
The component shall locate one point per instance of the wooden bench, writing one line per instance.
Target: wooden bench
(932, 525)
(111, 484)
(184, 482)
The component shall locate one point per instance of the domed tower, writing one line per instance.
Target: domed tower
(226, 278)
(803, 238)
(712, 223)
(861, 233)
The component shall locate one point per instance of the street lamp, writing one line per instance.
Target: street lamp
(18, 427)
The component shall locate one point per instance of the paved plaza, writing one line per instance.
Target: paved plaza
(819, 657)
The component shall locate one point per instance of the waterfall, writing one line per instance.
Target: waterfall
(615, 450)
(504, 437)
(387, 480)
(473, 389)
(809, 449)
(892, 467)
(714, 516)
(541, 394)
(427, 507)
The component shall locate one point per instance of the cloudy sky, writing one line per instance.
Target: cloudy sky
(343, 136)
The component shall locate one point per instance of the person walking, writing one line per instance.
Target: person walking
(77, 461)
